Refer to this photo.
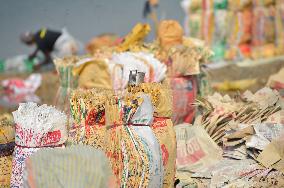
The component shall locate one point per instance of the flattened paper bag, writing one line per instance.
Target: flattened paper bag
(195, 149)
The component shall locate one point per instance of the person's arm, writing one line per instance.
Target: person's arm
(33, 55)
(154, 17)
(46, 60)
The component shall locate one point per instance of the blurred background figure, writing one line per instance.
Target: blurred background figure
(73, 167)
(51, 43)
(150, 11)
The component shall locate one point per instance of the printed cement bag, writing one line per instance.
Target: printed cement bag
(195, 149)
(184, 94)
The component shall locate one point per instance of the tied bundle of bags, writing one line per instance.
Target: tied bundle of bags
(263, 25)
(208, 26)
(7, 137)
(220, 29)
(162, 125)
(199, 20)
(194, 24)
(280, 25)
(88, 112)
(67, 81)
(264, 29)
(131, 145)
(184, 56)
(143, 117)
(132, 128)
(37, 127)
(79, 71)
(206, 20)
(239, 31)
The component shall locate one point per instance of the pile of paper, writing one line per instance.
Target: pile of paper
(250, 130)
(249, 140)
(218, 112)
(238, 173)
(200, 164)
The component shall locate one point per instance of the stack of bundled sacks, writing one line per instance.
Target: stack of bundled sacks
(7, 137)
(109, 68)
(40, 158)
(237, 29)
(250, 131)
(170, 56)
(279, 7)
(183, 57)
(193, 23)
(133, 128)
(264, 38)
(37, 127)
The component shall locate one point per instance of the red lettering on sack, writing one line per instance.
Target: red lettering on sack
(52, 137)
(159, 122)
(189, 152)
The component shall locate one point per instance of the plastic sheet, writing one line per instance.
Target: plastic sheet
(20, 86)
(18, 64)
(76, 166)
